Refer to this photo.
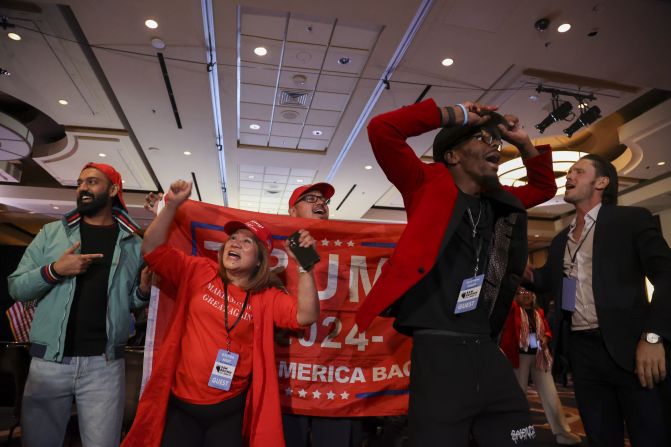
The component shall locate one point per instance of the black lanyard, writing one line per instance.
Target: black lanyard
(584, 238)
(237, 320)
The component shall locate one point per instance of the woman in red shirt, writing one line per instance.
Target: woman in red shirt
(214, 379)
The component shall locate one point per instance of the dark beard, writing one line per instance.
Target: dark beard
(93, 207)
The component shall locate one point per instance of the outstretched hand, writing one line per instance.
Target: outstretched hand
(180, 191)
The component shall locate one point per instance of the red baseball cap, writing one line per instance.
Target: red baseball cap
(113, 176)
(259, 230)
(324, 188)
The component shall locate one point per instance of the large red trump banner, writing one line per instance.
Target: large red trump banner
(329, 369)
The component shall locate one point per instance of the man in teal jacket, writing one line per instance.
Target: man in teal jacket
(84, 272)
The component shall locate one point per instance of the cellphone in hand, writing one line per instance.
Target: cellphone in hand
(306, 256)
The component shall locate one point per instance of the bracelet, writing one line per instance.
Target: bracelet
(463, 109)
(450, 116)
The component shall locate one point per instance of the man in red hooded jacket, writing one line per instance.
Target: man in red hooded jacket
(455, 269)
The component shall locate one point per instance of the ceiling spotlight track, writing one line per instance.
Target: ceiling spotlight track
(562, 111)
(585, 119)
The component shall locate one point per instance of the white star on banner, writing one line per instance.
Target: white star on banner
(330, 395)
(337, 243)
(325, 242)
(302, 393)
(350, 244)
(344, 395)
(288, 391)
(316, 394)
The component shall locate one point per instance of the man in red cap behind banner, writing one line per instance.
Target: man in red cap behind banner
(84, 273)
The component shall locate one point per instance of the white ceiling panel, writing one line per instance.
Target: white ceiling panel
(322, 132)
(249, 184)
(253, 140)
(277, 170)
(249, 43)
(259, 74)
(348, 36)
(303, 173)
(312, 145)
(330, 101)
(263, 24)
(259, 94)
(275, 178)
(284, 142)
(256, 169)
(337, 84)
(264, 127)
(298, 79)
(323, 117)
(286, 130)
(309, 31)
(261, 112)
(303, 55)
(289, 115)
(357, 60)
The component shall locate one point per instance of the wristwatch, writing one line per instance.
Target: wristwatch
(651, 337)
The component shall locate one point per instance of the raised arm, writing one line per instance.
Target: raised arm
(541, 186)
(307, 309)
(157, 232)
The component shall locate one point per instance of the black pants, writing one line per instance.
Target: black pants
(326, 432)
(204, 425)
(462, 387)
(609, 396)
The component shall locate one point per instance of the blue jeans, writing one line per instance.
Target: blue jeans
(98, 388)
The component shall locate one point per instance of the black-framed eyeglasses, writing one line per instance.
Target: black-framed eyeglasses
(483, 137)
(311, 198)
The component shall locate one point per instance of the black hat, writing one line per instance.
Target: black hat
(449, 137)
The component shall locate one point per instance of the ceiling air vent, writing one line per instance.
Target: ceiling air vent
(294, 98)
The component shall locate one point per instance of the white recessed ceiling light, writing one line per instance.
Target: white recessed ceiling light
(187, 153)
(56, 207)
(368, 167)
(661, 163)
(63, 102)
(250, 177)
(13, 36)
(447, 62)
(343, 60)
(317, 132)
(537, 235)
(564, 27)
(151, 23)
(299, 180)
(533, 97)
(254, 126)
(123, 181)
(103, 155)
(260, 51)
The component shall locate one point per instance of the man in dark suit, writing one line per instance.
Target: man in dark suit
(597, 268)
(456, 267)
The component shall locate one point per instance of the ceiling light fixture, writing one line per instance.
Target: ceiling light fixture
(56, 207)
(260, 51)
(14, 36)
(254, 126)
(157, 43)
(661, 163)
(447, 62)
(250, 177)
(102, 155)
(187, 153)
(63, 102)
(564, 27)
(343, 60)
(585, 119)
(558, 113)
(317, 132)
(4, 72)
(299, 180)
(151, 23)
(368, 167)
